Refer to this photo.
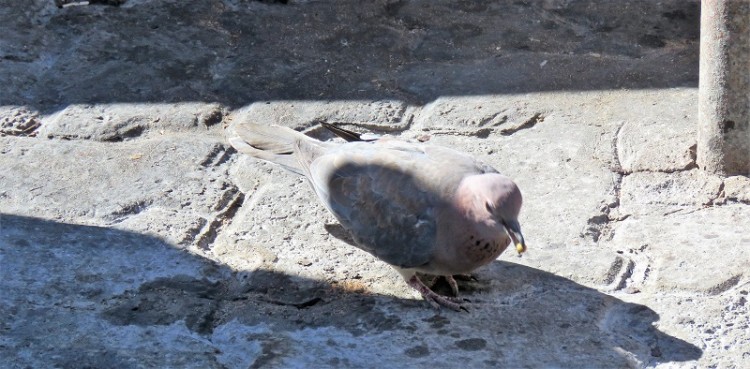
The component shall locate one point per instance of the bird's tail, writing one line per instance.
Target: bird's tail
(271, 143)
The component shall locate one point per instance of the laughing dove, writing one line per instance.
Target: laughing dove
(418, 207)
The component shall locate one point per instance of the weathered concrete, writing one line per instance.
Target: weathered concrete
(130, 185)
(737, 188)
(117, 122)
(724, 141)
(648, 192)
(663, 144)
(131, 236)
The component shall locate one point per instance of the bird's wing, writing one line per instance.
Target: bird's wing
(388, 195)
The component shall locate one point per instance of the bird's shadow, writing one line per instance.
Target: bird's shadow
(107, 290)
(571, 316)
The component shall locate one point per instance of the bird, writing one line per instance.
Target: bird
(419, 207)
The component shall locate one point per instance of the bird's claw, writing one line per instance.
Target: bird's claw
(453, 303)
(465, 277)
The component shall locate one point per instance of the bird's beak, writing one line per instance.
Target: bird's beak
(514, 230)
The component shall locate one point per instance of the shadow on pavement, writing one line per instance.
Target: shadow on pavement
(73, 289)
(239, 52)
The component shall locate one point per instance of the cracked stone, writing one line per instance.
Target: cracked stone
(695, 251)
(118, 122)
(478, 115)
(737, 188)
(665, 144)
(147, 186)
(18, 121)
(383, 115)
(657, 192)
(376, 64)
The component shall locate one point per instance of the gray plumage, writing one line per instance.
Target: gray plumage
(418, 207)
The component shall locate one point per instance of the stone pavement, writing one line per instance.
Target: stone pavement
(133, 236)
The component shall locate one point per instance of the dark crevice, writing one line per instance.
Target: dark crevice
(218, 155)
(27, 128)
(529, 123)
(299, 305)
(719, 198)
(625, 275)
(129, 210)
(214, 117)
(212, 231)
(193, 232)
(693, 151)
(619, 272)
(725, 286)
(489, 119)
(614, 269)
(131, 132)
(205, 324)
(602, 224)
(482, 133)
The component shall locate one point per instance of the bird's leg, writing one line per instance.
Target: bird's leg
(452, 282)
(433, 298)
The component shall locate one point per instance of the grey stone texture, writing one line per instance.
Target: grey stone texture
(133, 236)
(724, 143)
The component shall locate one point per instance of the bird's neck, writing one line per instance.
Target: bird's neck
(472, 206)
(469, 202)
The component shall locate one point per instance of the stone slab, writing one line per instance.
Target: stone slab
(18, 121)
(236, 52)
(737, 188)
(214, 260)
(702, 251)
(173, 187)
(383, 116)
(664, 143)
(118, 122)
(479, 115)
(656, 192)
(59, 280)
(149, 297)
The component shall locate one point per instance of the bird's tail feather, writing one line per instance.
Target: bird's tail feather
(271, 143)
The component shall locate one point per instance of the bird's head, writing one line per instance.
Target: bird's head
(503, 200)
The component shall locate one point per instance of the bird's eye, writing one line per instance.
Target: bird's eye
(488, 206)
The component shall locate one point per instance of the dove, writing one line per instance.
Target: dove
(418, 207)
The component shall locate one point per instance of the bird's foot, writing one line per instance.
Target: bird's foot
(465, 277)
(453, 303)
(452, 282)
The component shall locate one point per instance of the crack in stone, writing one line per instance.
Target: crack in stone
(479, 133)
(209, 232)
(129, 210)
(619, 273)
(299, 305)
(193, 232)
(212, 117)
(725, 286)
(626, 274)
(218, 155)
(719, 198)
(130, 132)
(603, 224)
(490, 119)
(529, 123)
(315, 130)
